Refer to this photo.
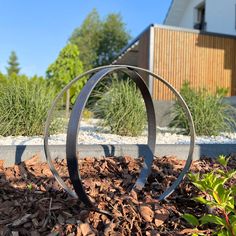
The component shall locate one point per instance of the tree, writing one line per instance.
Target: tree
(13, 67)
(100, 41)
(113, 37)
(66, 67)
(86, 38)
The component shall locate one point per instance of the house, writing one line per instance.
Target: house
(197, 43)
(216, 16)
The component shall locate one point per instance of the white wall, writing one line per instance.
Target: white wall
(188, 18)
(220, 16)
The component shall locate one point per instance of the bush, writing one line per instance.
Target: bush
(23, 106)
(210, 114)
(218, 194)
(2, 78)
(122, 108)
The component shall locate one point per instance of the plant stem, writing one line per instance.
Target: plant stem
(67, 103)
(228, 223)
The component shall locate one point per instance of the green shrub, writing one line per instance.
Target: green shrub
(218, 194)
(210, 115)
(23, 106)
(122, 108)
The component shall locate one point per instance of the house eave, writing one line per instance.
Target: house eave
(131, 45)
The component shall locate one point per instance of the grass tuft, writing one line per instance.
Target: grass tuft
(122, 108)
(23, 106)
(210, 114)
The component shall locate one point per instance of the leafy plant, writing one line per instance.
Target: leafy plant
(65, 68)
(210, 114)
(23, 106)
(122, 108)
(219, 196)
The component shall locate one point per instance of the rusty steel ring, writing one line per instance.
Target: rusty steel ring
(71, 144)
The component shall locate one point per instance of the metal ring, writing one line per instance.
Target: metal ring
(73, 128)
(47, 126)
(179, 97)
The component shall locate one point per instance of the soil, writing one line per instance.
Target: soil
(32, 202)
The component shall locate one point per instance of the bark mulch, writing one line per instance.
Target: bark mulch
(32, 202)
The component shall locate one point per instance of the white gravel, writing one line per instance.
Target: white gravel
(91, 133)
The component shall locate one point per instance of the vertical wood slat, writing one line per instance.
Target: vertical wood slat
(207, 61)
(143, 54)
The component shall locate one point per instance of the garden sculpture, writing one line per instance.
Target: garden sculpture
(97, 75)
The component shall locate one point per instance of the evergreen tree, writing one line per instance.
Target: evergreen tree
(13, 67)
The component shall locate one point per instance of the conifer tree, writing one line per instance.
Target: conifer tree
(13, 65)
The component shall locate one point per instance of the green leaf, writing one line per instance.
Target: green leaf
(212, 219)
(232, 219)
(220, 180)
(203, 201)
(191, 219)
(233, 190)
(223, 160)
(234, 227)
(223, 233)
(221, 172)
(194, 177)
(219, 193)
(199, 186)
(230, 203)
(231, 173)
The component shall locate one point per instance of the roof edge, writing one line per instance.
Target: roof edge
(168, 12)
(200, 32)
(135, 40)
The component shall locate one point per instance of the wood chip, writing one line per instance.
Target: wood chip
(15, 233)
(32, 161)
(21, 220)
(161, 215)
(147, 213)
(86, 230)
(47, 210)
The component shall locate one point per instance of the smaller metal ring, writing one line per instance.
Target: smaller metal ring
(73, 128)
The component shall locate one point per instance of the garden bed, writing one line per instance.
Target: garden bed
(32, 203)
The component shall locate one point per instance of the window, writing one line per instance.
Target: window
(200, 17)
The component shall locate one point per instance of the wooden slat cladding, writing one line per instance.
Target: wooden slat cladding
(204, 60)
(143, 54)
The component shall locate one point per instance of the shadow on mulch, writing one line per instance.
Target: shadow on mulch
(32, 202)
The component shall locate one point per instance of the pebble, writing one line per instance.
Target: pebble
(91, 133)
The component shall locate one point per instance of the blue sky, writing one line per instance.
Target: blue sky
(38, 30)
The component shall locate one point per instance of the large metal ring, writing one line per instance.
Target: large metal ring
(72, 130)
